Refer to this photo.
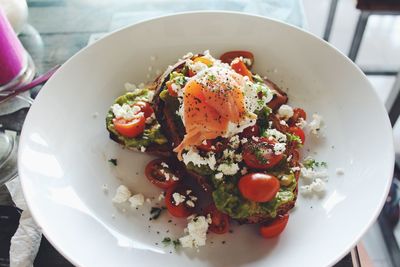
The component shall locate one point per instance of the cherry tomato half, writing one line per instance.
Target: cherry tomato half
(212, 145)
(299, 132)
(260, 154)
(219, 221)
(160, 175)
(297, 114)
(145, 107)
(239, 67)
(182, 209)
(251, 131)
(274, 228)
(131, 128)
(259, 187)
(228, 57)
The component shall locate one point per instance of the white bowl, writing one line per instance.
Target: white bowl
(64, 148)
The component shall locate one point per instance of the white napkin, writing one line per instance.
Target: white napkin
(26, 240)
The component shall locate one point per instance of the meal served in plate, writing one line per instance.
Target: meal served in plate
(227, 140)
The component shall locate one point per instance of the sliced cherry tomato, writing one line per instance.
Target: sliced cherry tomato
(240, 67)
(219, 221)
(203, 60)
(299, 132)
(297, 114)
(182, 209)
(191, 73)
(260, 154)
(212, 145)
(259, 187)
(171, 91)
(274, 228)
(159, 173)
(145, 107)
(228, 57)
(131, 128)
(251, 131)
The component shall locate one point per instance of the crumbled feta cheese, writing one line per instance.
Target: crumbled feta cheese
(247, 61)
(219, 176)
(315, 124)
(136, 200)
(285, 112)
(204, 142)
(193, 156)
(150, 119)
(193, 198)
(317, 186)
(143, 149)
(188, 55)
(277, 135)
(289, 158)
(197, 233)
(310, 174)
(197, 66)
(126, 112)
(188, 192)
(228, 169)
(339, 171)
(178, 198)
(190, 203)
(243, 171)
(165, 165)
(282, 122)
(122, 194)
(244, 140)
(255, 138)
(168, 175)
(279, 148)
(161, 196)
(295, 169)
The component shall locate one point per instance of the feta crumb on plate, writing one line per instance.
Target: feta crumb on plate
(122, 194)
(136, 200)
(197, 233)
(178, 198)
(315, 124)
(285, 112)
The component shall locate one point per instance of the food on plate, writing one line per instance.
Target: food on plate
(229, 140)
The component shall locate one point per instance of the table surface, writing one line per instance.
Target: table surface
(58, 29)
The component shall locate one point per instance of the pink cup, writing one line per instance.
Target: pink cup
(13, 58)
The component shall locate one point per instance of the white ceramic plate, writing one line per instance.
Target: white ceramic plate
(64, 149)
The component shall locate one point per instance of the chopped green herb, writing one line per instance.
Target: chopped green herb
(176, 243)
(113, 162)
(310, 163)
(166, 241)
(294, 138)
(156, 212)
(212, 77)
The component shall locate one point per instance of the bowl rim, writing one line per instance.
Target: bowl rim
(345, 250)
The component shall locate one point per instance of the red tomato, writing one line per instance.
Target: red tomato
(241, 68)
(212, 145)
(131, 128)
(228, 57)
(297, 114)
(171, 91)
(299, 132)
(145, 107)
(251, 131)
(159, 175)
(260, 154)
(259, 187)
(219, 221)
(182, 209)
(275, 227)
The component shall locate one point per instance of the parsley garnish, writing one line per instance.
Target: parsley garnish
(156, 212)
(166, 241)
(113, 162)
(176, 243)
(294, 138)
(310, 163)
